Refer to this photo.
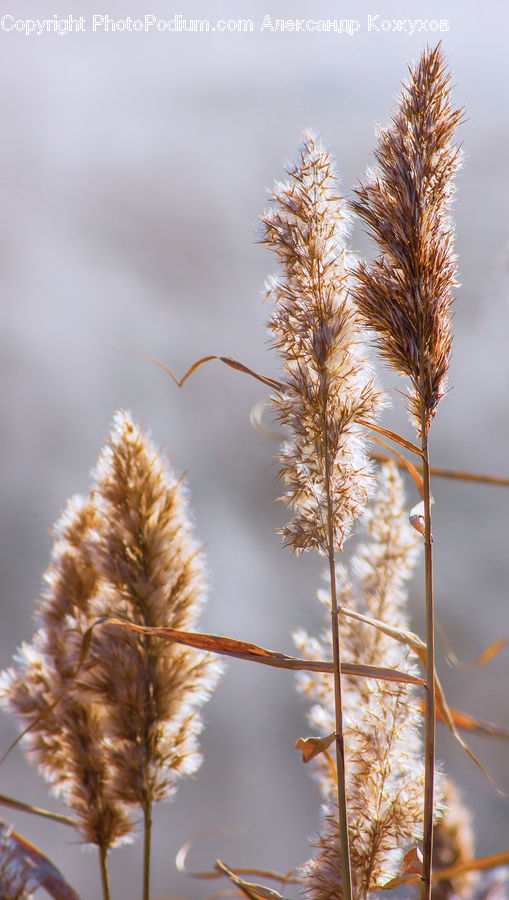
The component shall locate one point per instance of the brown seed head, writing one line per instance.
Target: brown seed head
(126, 727)
(405, 295)
(152, 573)
(66, 739)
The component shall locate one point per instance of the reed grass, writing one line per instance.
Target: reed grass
(328, 385)
(108, 691)
(385, 782)
(116, 733)
(405, 295)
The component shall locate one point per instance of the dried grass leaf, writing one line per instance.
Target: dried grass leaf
(393, 436)
(252, 652)
(483, 659)
(419, 647)
(472, 865)
(249, 889)
(182, 867)
(35, 810)
(403, 463)
(42, 871)
(412, 861)
(313, 746)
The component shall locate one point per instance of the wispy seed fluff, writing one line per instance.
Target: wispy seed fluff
(385, 777)
(152, 573)
(328, 382)
(405, 295)
(66, 740)
(126, 728)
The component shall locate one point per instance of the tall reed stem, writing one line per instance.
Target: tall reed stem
(340, 745)
(103, 852)
(430, 671)
(147, 839)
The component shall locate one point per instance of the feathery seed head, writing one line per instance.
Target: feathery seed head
(123, 730)
(153, 573)
(405, 295)
(66, 739)
(328, 382)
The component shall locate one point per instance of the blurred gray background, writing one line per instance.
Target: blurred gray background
(133, 168)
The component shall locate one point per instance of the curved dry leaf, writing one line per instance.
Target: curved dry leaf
(392, 435)
(467, 722)
(460, 868)
(182, 867)
(181, 857)
(445, 715)
(412, 862)
(160, 365)
(439, 472)
(248, 888)
(436, 471)
(419, 647)
(42, 871)
(195, 365)
(229, 361)
(487, 655)
(240, 367)
(256, 420)
(313, 746)
(213, 643)
(280, 386)
(403, 463)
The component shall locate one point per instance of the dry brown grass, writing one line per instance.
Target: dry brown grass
(108, 691)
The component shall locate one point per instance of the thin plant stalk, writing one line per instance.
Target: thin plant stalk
(147, 841)
(384, 765)
(429, 745)
(339, 739)
(104, 872)
(147, 805)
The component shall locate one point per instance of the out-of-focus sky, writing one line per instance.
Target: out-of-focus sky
(133, 166)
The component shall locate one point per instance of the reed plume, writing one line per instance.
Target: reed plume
(123, 731)
(385, 776)
(328, 380)
(65, 739)
(152, 573)
(405, 295)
